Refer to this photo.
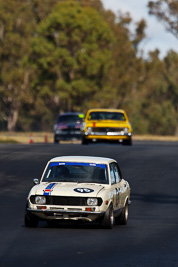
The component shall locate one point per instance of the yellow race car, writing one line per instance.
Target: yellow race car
(106, 125)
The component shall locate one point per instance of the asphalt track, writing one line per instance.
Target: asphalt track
(149, 240)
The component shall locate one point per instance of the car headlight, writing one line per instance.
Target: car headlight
(40, 200)
(58, 131)
(89, 130)
(126, 130)
(83, 126)
(92, 201)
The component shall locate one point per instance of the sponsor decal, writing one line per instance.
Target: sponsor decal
(78, 164)
(83, 190)
(48, 190)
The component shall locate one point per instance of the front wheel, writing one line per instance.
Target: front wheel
(108, 219)
(56, 141)
(84, 141)
(128, 142)
(123, 217)
(30, 219)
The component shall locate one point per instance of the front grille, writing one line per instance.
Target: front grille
(106, 129)
(69, 130)
(65, 201)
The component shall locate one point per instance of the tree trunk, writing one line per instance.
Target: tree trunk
(176, 131)
(12, 120)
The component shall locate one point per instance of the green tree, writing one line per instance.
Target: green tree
(70, 57)
(14, 74)
(121, 85)
(171, 77)
(167, 12)
(18, 21)
(58, 55)
(157, 114)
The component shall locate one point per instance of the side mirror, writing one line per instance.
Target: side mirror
(35, 181)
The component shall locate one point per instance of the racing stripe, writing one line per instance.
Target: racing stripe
(49, 189)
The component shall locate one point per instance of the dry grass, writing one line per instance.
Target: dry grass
(26, 138)
(155, 138)
(47, 137)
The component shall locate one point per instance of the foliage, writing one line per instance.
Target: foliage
(70, 57)
(13, 48)
(58, 55)
(157, 108)
(166, 11)
(17, 26)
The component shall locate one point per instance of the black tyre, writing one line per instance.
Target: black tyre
(123, 217)
(108, 219)
(84, 141)
(127, 142)
(56, 141)
(30, 219)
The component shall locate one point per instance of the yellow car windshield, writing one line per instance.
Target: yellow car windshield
(103, 115)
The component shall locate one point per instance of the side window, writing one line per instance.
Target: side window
(111, 169)
(116, 172)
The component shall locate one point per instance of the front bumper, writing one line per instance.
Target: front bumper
(53, 214)
(107, 133)
(67, 135)
(108, 137)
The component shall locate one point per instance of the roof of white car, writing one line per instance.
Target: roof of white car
(82, 159)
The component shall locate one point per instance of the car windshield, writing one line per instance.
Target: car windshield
(76, 172)
(103, 115)
(71, 118)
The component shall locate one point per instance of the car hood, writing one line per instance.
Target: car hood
(67, 189)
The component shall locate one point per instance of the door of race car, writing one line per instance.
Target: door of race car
(117, 185)
(115, 181)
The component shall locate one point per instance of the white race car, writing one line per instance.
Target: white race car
(79, 188)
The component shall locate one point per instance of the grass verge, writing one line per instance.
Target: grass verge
(47, 137)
